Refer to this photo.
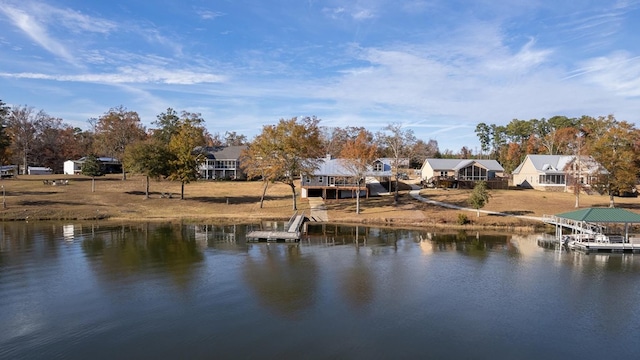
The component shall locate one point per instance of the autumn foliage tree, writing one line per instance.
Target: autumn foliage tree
(151, 158)
(615, 150)
(115, 130)
(357, 156)
(284, 151)
(189, 135)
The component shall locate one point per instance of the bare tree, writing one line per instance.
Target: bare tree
(399, 143)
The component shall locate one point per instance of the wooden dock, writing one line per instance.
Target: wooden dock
(292, 232)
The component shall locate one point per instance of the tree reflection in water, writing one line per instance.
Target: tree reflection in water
(283, 279)
(129, 250)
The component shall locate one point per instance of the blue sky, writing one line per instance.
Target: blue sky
(438, 67)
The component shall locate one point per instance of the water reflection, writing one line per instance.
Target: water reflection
(171, 290)
(122, 251)
(282, 277)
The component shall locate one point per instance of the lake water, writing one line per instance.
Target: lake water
(165, 291)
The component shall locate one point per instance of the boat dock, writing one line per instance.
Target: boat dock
(291, 232)
(590, 229)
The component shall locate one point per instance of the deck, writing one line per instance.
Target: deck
(292, 232)
(605, 247)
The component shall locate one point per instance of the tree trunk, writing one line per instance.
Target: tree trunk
(293, 191)
(358, 199)
(477, 212)
(124, 174)
(264, 192)
(395, 196)
(182, 190)
(146, 196)
(611, 204)
(93, 184)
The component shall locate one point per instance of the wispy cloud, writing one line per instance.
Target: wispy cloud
(37, 31)
(355, 13)
(209, 14)
(363, 14)
(618, 73)
(131, 75)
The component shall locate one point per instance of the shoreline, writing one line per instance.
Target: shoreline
(28, 198)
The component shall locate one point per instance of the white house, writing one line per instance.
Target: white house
(556, 172)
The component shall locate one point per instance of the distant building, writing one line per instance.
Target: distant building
(333, 180)
(556, 172)
(39, 170)
(7, 171)
(463, 173)
(110, 166)
(221, 163)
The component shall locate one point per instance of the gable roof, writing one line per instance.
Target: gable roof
(602, 215)
(222, 152)
(335, 167)
(557, 164)
(456, 164)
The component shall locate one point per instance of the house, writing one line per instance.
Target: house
(332, 180)
(556, 172)
(110, 166)
(7, 171)
(463, 173)
(222, 162)
(402, 162)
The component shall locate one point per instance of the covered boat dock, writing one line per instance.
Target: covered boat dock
(592, 229)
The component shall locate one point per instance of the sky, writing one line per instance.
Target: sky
(437, 67)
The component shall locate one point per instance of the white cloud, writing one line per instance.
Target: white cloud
(619, 73)
(363, 14)
(37, 31)
(208, 14)
(132, 75)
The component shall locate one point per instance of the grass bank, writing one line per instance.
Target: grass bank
(28, 198)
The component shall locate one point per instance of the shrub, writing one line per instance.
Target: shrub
(463, 219)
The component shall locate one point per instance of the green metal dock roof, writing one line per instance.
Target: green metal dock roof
(602, 215)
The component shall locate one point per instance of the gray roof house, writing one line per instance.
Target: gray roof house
(222, 162)
(462, 172)
(556, 172)
(332, 180)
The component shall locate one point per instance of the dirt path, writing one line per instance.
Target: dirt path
(318, 210)
(415, 193)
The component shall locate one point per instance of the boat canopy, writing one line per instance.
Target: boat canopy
(602, 215)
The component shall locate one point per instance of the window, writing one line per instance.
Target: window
(552, 179)
(378, 166)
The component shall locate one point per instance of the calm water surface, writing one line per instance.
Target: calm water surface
(183, 291)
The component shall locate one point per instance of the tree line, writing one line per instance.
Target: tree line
(283, 151)
(614, 144)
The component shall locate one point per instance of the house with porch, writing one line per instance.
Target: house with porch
(462, 173)
(557, 172)
(221, 162)
(8, 171)
(332, 180)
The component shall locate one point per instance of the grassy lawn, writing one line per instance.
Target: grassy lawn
(28, 198)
